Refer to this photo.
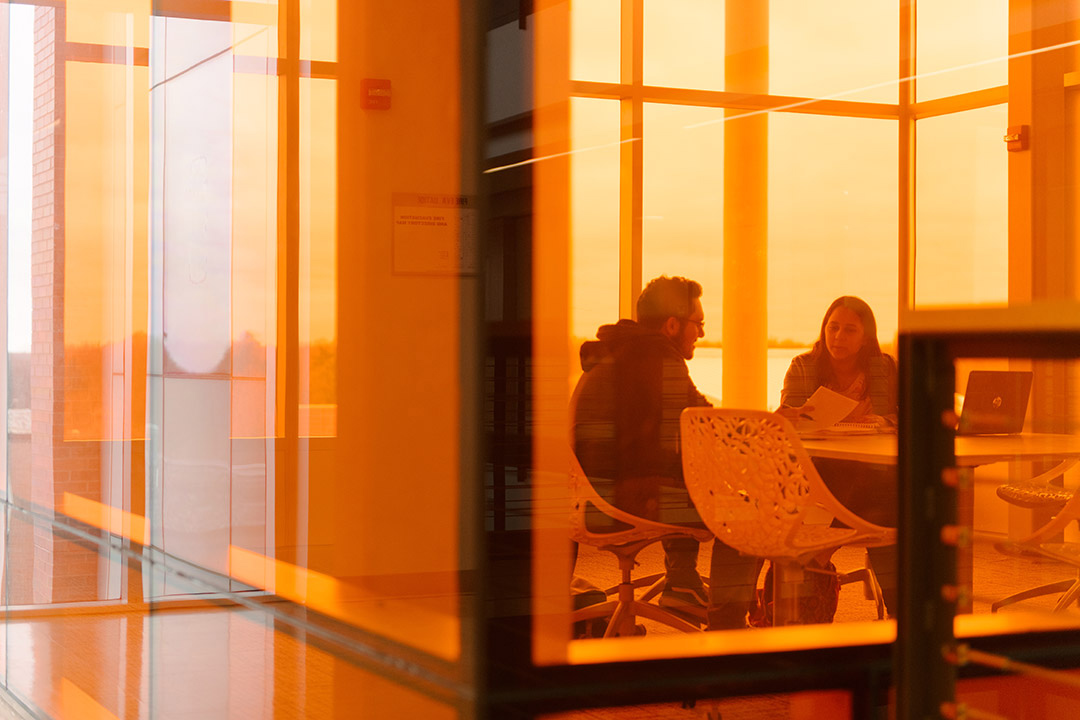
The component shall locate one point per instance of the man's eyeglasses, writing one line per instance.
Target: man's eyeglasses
(700, 324)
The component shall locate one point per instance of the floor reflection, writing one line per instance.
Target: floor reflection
(213, 663)
(103, 653)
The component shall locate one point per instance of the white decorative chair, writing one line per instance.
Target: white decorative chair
(632, 535)
(754, 486)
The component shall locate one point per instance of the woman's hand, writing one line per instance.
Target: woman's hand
(794, 413)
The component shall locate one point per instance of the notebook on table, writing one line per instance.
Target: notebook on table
(826, 417)
(995, 401)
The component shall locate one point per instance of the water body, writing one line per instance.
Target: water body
(707, 371)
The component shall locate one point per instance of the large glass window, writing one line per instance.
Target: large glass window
(595, 34)
(846, 49)
(684, 44)
(907, 203)
(683, 220)
(279, 354)
(961, 46)
(962, 218)
(181, 429)
(594, 203)
(832, 228)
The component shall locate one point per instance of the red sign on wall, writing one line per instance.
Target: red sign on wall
(376, 94)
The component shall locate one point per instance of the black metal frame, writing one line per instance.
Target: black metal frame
(515, 688)
(530, 692)
(925, 676)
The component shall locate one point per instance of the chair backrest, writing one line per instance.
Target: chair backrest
(1057, 524)
(752, 481)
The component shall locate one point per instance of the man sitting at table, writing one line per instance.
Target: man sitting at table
(626, 411)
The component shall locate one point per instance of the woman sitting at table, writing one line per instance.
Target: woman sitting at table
(847, 358)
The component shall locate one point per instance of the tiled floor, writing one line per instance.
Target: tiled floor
(183, 665)
(229, 661)
(97, 656)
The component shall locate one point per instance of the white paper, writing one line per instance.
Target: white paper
(829, 408)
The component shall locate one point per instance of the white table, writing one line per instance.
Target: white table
(971, 450)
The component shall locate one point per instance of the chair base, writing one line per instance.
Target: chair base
(871, 588)
(626, 608)
(624, 615)
(795, 574)
(1070, 588)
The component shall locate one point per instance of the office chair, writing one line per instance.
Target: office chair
(754, 484)
(628, 537)
(1040, 493)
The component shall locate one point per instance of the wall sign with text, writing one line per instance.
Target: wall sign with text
(435, 234)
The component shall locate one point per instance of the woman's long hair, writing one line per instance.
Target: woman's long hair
(870, 349)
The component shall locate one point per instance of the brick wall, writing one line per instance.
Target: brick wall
(62, 571)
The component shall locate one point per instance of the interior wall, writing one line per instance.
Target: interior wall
(395, 502)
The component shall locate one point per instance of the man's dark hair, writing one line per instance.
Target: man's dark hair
(666, 297)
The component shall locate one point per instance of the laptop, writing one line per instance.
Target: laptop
(995, 402)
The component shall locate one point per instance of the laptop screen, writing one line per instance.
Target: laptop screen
(995, 402)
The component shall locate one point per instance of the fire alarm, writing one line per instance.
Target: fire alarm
(376, 94)
(1016, 138)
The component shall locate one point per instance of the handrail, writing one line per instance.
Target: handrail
(963, 654)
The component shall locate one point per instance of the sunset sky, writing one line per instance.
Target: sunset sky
(832, 181)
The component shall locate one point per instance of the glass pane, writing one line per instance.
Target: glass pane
(318, 257)
(594, 40)
(103, 247)
(961, 46)
(848, 48)
(318, 30)
(251, 464)
(119, 23)
(683, 230)
(961, 251)
(684, 44)
(19, 311)
(44, 567)
(195, 492)
(832, 228)
(173, 357)
(197, 197)
(595, 214)
(254, 224)
(1021, 486)
(251, 499)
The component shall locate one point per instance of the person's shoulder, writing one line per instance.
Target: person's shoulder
(593, 353)
(805, 359)
(886, 361)
(628, 342)
(628, 334)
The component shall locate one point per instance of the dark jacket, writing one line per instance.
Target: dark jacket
(627, 404)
